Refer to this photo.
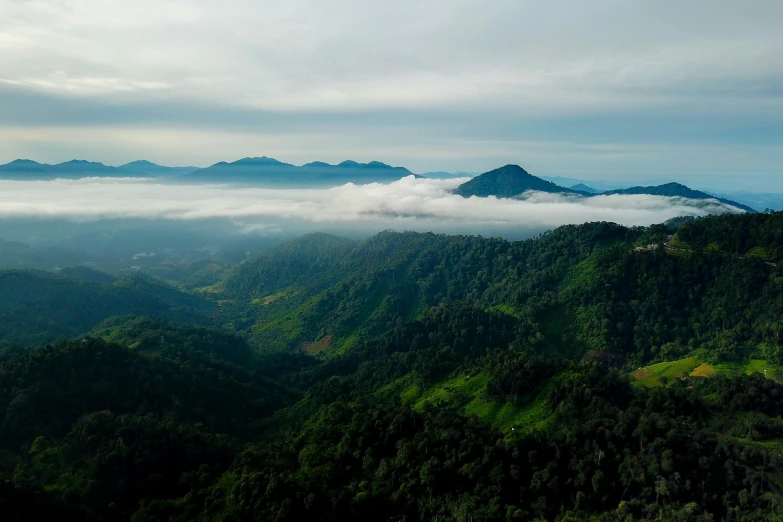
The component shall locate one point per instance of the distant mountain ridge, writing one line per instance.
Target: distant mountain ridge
(581, 187)
(144, 167)
(512, 181)
(252, 170)
(677, 190)
(264, 170)
(25, 169)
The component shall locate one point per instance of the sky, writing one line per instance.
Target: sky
(654, 90)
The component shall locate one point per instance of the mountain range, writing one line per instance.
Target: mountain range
(504, 182)
(272, 171)
(261, 170)
(678, 190)
(25, 169)
(512, 181)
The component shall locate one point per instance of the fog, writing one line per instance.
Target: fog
(410, 204)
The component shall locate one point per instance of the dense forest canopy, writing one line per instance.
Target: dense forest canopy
(597, 372)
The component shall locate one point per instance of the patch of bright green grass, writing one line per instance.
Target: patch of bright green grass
(675, 369)
(534, 415)
(651, 378)
(285, 293)
(464, 386)
(759, 252)
(504, 309)
(410, 394)
(712, 247)
(340, 346)
(531, 416)
(771, 371)
(676, 242)
(217, 288)
(397, 389)
(651, 381)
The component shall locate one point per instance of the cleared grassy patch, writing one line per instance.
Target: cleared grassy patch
(410, 394)
(534, 415)
(269, 299)
(217, 288)
(399, 389)
(703, 370)
(768, 370)
(466, 386)
(340, 346)
(504, 309)
(760, 253)
(676, 242)
(650, 377)
(675, 369)
(642, 373)
(316, 347)
(651, 381)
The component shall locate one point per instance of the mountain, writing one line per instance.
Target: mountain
(144, 168)
(269, 171)
(678, 190)
(508, 182)
(581, 187)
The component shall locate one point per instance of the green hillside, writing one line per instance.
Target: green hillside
(597, 372)
(38, 307)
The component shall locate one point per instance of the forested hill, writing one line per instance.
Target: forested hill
(37, 306)
(589, 286)
(597, 372)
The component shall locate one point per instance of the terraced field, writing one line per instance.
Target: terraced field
(650, 376)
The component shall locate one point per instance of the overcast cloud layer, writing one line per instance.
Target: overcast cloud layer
(410, 203)
(611, 89)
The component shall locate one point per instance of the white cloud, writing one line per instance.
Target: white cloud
(410, 203)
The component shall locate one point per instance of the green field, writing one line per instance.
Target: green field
(469, 392)
(650, 376)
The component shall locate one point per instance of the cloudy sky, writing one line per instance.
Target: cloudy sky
(606, 89)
